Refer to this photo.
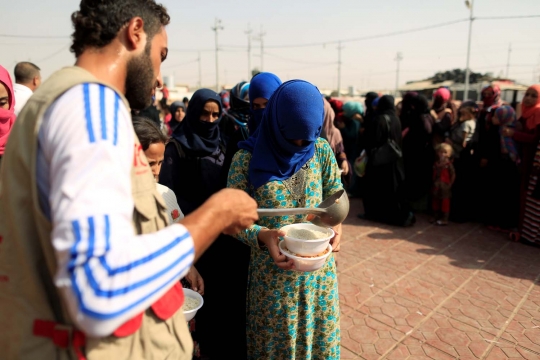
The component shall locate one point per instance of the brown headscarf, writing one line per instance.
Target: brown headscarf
(330, 132)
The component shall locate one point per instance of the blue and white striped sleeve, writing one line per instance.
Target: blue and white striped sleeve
(106, 272)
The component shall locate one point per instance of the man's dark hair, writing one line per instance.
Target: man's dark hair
(148, 132)
(98, 22)
(25, 72)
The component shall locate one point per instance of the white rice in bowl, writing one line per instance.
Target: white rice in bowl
(305, 234)
(190, 303)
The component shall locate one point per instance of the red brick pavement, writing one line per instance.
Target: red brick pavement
(428, 292)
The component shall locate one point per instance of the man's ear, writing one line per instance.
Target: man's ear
(135, 35)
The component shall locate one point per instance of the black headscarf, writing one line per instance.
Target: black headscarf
(172, 109)
(199, 138)
(386, 106)
(370, 96)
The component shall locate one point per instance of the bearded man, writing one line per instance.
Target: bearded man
(88, 266)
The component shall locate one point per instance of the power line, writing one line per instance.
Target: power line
(389, 34)
(298, 61)
(181, 64)
(33, 36)
(54, 53)
(506, 17)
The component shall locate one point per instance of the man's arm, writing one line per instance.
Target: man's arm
(106, 272)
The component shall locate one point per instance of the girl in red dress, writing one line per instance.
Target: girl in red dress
(444, 176)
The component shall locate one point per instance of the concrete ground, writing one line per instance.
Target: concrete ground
(428, 292)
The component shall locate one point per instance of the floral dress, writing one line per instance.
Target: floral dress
(290, 314)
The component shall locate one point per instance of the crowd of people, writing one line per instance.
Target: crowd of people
(457, 160)
(111, 201)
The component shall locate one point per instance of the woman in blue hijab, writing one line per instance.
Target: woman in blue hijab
(285, 164)
(261, 89)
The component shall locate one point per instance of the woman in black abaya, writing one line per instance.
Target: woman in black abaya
(384, 200)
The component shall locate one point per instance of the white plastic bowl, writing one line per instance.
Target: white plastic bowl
(194, 295)
(306, 264)
(307, 247)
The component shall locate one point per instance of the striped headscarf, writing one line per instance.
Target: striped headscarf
(507, 119)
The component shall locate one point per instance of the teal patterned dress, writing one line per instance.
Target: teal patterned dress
(291, 315)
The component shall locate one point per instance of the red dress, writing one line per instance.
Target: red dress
(442, 186)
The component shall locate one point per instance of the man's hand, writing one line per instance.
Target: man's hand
(238, 209)
(270, 238)
(195, 280)
(228, 211)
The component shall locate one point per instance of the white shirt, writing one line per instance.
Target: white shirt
(106, 272)
(173, 210)
(22, 94)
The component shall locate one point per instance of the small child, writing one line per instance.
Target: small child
(444, 176)
(462, 133)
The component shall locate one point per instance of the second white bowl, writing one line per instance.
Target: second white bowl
(306, 264)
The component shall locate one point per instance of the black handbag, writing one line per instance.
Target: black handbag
(388, 153)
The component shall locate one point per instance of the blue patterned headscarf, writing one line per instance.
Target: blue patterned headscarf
(263, 86)
(295, 111)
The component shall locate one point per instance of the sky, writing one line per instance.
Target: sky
(366, 64)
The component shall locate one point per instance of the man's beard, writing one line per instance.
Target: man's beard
(140, 81)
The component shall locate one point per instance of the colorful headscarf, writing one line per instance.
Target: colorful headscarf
(507, 119)
(199, 138)
(295, 111)
(493, 100)
(225, 99)
(330, 132)
(442, 93)
(263, 86)
(351, 108)
(7, 117)
(337, 106)
(531, 114)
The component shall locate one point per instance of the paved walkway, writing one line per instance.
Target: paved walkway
(427, 292)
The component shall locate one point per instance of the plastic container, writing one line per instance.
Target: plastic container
(306, 264)
(307, 247)
(190, 314)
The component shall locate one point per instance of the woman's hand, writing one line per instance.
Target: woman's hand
(195, 280)
(270, 238)
(345, 167)
(336, 240)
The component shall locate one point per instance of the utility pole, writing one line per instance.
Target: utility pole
(398, 59)
(216, 28)
(200, 71)
(469, 4)
(261, 36)
(339, 70)
(248, 33)
(508, 61)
